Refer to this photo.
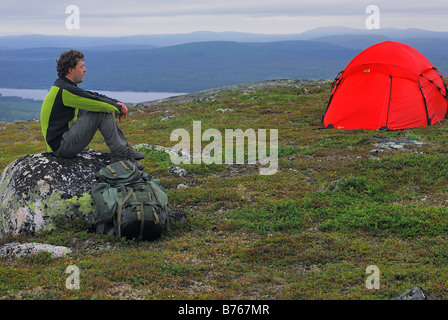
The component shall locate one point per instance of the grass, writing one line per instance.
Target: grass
(308, 232)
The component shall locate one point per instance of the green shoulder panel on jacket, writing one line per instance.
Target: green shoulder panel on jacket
(76, 101)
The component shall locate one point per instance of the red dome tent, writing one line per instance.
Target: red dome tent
(388, 86)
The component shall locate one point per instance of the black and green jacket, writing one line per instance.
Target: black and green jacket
(61, 106)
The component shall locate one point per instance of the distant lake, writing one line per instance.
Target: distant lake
(124, 96)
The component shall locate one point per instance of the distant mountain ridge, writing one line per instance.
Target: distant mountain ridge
(186, 68)
(163, 40)
(202, 60)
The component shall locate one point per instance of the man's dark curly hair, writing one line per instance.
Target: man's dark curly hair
(68, 59)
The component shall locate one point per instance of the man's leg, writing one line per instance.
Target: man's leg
(84, 128)
(113, 136)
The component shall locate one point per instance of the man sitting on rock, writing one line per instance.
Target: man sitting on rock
(70, 116)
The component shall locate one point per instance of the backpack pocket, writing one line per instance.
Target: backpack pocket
(139, 214)
(106, 199)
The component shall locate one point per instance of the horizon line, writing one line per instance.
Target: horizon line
(216, 32)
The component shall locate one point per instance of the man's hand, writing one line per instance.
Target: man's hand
(124, 111)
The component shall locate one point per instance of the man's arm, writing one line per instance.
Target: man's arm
(124, 109)
(102, 96)
(78, 98)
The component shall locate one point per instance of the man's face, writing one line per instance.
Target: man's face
(77, 73)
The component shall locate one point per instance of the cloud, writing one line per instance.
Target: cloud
(116, 17)
(316, 8)
(249, 8)
(171, 8)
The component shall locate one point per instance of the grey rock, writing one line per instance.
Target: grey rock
(179, 171)
(35, 190)
(396, 143)
(375, 152)
(167, 118)
(179, 216)
(415, 293)
(224, 110)
(20, 250)
(335, 185)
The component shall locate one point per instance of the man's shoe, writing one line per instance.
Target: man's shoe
(126, 155)
(137, 155)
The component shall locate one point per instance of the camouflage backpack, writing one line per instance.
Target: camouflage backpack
(133, 203)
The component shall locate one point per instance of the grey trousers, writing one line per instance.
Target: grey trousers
(81, 133)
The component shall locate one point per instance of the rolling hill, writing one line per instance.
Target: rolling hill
(193, 62)
(181, 68)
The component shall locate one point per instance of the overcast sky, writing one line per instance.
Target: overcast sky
(130, 17)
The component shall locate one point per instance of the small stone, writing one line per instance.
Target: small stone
(167, 118)
(179, 215)
(375, 152)
(20, 250)
(415, 293)
(224, 110)
(179, 171)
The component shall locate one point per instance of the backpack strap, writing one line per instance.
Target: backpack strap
(123, 163)
(140, 209)
(168, 218)
(125, 166)
(120, 208)
(112, 170)
(154, 211)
